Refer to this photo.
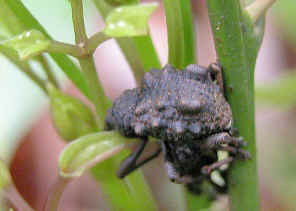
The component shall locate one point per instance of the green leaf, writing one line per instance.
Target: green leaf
(84, 152)
(127, 21)
(28, 44)
(5, 178)
(70, 116)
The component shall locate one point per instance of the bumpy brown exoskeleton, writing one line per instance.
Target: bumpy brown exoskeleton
(187, 112)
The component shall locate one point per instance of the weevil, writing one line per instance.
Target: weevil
(189, 115)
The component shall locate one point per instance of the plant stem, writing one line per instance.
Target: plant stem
(180, 32)
(65, 48)
(237, 46)
(78, 21)
(96, 92)
(55, 194)
(49, 73)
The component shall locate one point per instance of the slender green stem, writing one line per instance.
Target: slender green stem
(78, 21)
(55, 194)
(96, 92)
(83, 49)
(180, 32)
(65, 48)
(49, 73)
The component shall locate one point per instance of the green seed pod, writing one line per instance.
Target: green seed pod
(70, 116)
(121, 2)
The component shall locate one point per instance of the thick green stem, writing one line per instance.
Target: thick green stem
(237, 46)
(180, 32)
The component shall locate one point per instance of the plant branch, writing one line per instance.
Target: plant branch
(96, 92)
(54, 197)
(65, 48)
(78, 21)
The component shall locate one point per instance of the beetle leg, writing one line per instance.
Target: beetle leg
(130, 164)
(206, 170)
(219, 139)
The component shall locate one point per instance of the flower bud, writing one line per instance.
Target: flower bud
(70, 116)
